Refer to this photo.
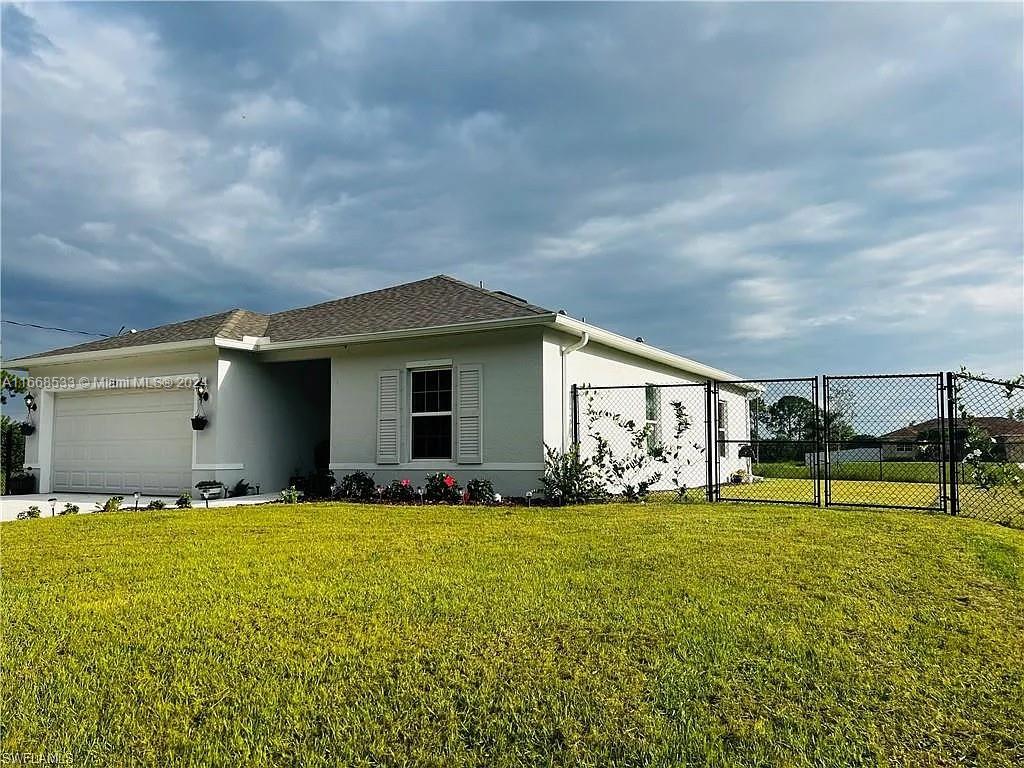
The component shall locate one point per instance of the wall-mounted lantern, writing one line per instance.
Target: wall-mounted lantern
(30, 402)
(199, 421)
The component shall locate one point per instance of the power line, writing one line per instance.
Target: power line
(53, 328)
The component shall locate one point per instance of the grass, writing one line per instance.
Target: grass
(894, 471)
(843, 492)
(662, 635)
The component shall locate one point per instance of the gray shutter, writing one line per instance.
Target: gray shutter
(469, 422)
(389, 417)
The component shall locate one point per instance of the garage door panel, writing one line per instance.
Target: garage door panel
(121, 442)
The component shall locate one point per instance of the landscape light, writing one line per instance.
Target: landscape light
(53, 507)
(136, 495)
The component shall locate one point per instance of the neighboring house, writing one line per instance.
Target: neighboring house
(434, 375)
(1007, 433)
(906, 444)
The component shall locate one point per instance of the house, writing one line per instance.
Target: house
(1007, 434)
(433, 375)
(919, 442)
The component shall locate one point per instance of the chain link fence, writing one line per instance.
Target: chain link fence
(647, 439)
(934, 442)
(987, 448)
(885, 441)
(767, 435)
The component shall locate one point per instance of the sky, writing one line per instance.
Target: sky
(776, 190)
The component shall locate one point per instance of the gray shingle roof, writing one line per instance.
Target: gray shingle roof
(436, 301)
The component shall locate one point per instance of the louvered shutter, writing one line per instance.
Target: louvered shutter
(389, 417)
(469, 393)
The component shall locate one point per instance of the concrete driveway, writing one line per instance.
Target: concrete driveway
(10, 506)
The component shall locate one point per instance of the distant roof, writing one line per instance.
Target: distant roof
(996, 426)
(434, 302)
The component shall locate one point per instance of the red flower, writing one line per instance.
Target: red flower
(405, 482)
(449, 480)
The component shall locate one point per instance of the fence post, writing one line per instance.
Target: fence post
(575, 417)
(819, 426)
(951, 454)
(714, 467)
(8, 457)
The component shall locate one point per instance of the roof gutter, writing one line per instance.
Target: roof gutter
(407, 333)
(566, 351)
(263, 344)
(646, 351)
(24, 363)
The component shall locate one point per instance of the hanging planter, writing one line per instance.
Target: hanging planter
(199, 422)
(27, 428)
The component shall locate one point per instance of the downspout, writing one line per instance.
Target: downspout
(566, 351)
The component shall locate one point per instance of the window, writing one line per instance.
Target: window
(653, 419)
(431, 413)
(723, 429)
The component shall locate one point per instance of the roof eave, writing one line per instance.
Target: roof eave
(26, 363)
(407, 333)
(646, 351)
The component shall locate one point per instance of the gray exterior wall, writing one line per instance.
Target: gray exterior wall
(512, 408)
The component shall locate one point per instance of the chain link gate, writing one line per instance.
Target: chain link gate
(885, 442)
(767, 441)
(934, 442)
(986, 448)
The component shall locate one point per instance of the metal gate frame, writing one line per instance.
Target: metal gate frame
(946, 409)
(816, 430)
(942, 462)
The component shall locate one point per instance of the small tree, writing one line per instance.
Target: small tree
(570, 478)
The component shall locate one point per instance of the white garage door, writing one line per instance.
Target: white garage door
(123, 442)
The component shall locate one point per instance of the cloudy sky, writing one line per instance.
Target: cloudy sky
(774, 189)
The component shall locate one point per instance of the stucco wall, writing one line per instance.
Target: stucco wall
(269, 418)
(601, 366)
(512, 411)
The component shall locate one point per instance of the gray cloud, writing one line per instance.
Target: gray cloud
(774, 189)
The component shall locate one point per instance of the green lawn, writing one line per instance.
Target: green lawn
(843, 492)
(894, 471)
(609, 635)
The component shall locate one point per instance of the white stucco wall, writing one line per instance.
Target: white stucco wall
(512, 408)
(601, 366)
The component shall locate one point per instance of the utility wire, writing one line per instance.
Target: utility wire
(52, 328)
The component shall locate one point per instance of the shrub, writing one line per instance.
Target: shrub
(113, 504)
(443, 488)
(358, 486)
(184, 501)
(570, 478)
(156, 504)
(241, 488)
(31, 513)
(319, 484)
(69, 509)
(480, 491)
(290, 494)
(400, 491)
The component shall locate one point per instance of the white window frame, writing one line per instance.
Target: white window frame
(449, 413)
(653, 425)
(722, 424)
